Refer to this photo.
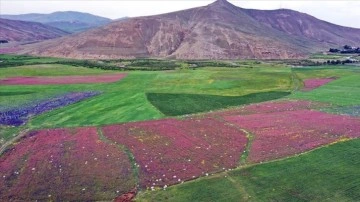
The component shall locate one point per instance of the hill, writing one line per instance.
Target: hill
(217, 31)
(69, 21)
(22, 31)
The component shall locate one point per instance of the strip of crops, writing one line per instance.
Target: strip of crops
(19, 116)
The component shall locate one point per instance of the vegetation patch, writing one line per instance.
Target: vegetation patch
(343, 91)
(61, 80)
(64, 165)
(311, 84)
(347, 110)
(172, 151)
(270, 107)
(282, 134)
(18, 116)
(330, 172)
(181, 104)
(14, 93)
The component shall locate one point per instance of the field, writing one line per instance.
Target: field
(64, 164)
(199, 131)
(309, 177)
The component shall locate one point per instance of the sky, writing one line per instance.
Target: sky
(344, 13)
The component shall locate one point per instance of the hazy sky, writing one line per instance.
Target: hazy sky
(345, 13)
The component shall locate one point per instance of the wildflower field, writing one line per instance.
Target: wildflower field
(257, 132)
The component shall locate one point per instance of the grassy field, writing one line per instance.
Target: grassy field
(126, 99)
(48, 70)
(343, 91)
(326, 174)
(181, 104)
(327, 57)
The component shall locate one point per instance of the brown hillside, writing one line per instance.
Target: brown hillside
(217, 31)
(21, 31)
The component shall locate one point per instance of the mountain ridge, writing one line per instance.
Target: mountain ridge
(24, 31)
(70, 21)
(219, 30)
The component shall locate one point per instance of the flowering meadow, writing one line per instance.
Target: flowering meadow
(311, 84)
(76, 163)
(40, 80)
(282, 134)
(64, 165)
(19, 116)
(171, 151)
(270, 107)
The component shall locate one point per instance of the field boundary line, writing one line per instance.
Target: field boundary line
(249, 136)
(13, 140)
(129, 154)
(339, 140)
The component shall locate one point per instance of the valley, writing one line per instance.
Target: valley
(212, 103)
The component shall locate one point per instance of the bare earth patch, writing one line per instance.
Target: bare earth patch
(39, 80)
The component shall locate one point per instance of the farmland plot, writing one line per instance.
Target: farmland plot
(282, 134)
(66, 165)
(172, 151)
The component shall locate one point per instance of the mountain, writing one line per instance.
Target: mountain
(217, 31)
(301, 24)
(69, 21)
(22, 31)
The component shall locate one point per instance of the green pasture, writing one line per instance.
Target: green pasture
(126, 100)
(330, 173)
(180, 104)
(327, 57)
(343, 91)
(48, 70)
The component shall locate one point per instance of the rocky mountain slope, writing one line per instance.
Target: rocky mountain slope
(217, 31)
(21, 31)
(69, 21)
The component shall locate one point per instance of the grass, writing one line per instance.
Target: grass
(126, 100)
(329, 173)
(326, 174)
(47, 70)
(343, 91)
(327, 57)
(181, 104)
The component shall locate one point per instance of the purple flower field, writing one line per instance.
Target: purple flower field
(19, 116)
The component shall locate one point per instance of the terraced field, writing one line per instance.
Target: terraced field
(210, 133)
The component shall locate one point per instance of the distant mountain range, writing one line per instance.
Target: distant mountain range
(15, 30)
(217, 31)
(69, 21)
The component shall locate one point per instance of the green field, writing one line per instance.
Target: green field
(343, 91)
(48, 70)
(181, 104)
(126, 100)
(189, 87)
(326, 174)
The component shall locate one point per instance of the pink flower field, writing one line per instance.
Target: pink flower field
(64, 165)
(39, 80)
(311, 84)
(80, 164)
(282, 134)
(171, 151)
(270, 107)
